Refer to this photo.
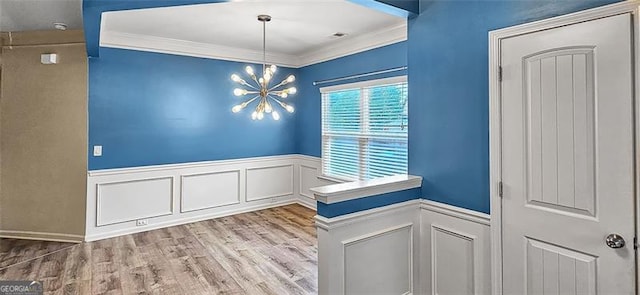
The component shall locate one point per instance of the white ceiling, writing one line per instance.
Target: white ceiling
(298, 28)
(26, 15)
(299, 34)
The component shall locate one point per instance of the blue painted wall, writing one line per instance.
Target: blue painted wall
(308, 134)
(449, 92)
(148, 108)
(356, 205)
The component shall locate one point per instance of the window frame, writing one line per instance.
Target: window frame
(364, 119)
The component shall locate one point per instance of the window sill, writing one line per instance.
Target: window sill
(341, 192)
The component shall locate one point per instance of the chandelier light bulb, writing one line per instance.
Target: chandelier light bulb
(267, 76)
(260, 115)
(273, 68)
(237, 108)
(254, 115)
(292, 90)
(289, 108)
(249, 70)
(239, 92)
(235, 78)
(261, 81)
(291, 78)
(275, 115)
(268, 108)
(284, 94)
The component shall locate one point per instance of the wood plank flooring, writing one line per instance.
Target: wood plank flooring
(272, 251)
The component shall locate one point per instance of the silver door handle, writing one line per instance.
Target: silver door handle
(615, 241)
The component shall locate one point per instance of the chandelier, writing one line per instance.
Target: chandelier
(260, 87)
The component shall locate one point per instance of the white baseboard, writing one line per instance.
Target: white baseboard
(307, 202)
(167, 195)
(180, 221)
(42, 236)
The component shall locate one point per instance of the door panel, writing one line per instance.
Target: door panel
(567, 159)
(560, 130)
(556, 270)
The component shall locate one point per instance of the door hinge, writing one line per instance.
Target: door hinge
(500, 189)
(500, 73)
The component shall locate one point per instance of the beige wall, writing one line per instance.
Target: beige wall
(43, 135)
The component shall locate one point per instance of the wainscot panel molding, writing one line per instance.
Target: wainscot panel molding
(354, 256)
(269, 182)
(197, 189)
(309, 175)
(129, 200)
(145, 198)
(455, 250)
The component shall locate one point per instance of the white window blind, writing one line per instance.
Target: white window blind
(365, 129)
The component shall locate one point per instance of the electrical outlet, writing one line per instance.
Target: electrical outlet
(142, 222)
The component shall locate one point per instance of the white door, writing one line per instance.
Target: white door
(568, 159)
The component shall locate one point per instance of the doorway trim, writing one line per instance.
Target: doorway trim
(495, 115)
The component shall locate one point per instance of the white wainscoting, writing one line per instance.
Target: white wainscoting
(165, 195)
(197, 190)
(269, 182)
(370, 252)
(144, 198)
(309, 169)
(414, 247)
(455, 256)
(436, 248)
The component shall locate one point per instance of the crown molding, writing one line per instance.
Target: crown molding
(347, 46)
(114, 39)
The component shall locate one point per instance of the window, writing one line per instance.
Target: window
(364, 129)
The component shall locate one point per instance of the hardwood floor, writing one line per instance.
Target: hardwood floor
(14, 251)
(272, 251)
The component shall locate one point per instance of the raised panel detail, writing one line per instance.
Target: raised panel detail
(380, 263)
(127, 201)
(560, 130)
(269, 182)
(308, 179)
(557, 270)
(452, 253)
(203, 191)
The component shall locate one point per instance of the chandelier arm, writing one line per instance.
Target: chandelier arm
(279, 84)
(244, 83)
(282, 104)
(260, 106)
(255, 79)
(248, 101)
(267, 103)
